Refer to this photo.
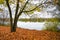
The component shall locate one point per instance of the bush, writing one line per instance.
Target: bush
(51, 26)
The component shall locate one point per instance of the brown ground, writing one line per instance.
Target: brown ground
(25, 34)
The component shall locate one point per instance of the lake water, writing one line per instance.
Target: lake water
(28, 25)
(35, 25)
(31, 25)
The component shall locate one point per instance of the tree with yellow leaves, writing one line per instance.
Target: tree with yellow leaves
(22, 6)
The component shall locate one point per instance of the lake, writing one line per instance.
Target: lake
(31, 25)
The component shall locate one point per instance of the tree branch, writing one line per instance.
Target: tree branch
(16, 12)
(7, 2)
(36, 7)
(17, 7)
(22, 8)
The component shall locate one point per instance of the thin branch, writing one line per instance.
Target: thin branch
(17, 8)
(7, 2)
(36, 7)
(22, 8)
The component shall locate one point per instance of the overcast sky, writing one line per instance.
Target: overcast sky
(45, 13)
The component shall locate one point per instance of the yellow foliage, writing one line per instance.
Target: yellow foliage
(1, 1)
(22, 1)
(31, 7)
(38, 9)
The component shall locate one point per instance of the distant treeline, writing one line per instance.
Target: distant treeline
(34, 19)
(4, 21)
(40, 19)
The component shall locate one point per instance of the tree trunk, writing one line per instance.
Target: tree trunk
(13, 28)
(14, 25)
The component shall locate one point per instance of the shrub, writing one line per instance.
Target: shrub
(51, 26)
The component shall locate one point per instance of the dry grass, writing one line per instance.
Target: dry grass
(25, 34)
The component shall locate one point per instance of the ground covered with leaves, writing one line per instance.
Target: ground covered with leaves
(25, 34)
